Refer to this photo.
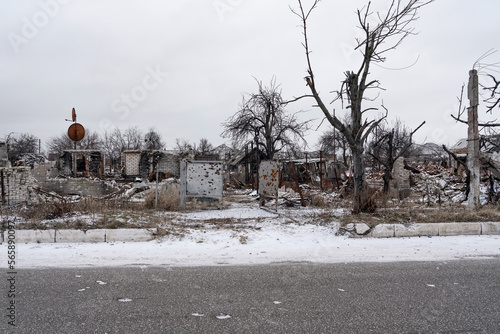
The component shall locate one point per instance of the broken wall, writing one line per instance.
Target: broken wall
(143, 163)
(17, 186)
(80, 186)
(82, 163)
(169, 164)
(130, 162)
(400, 183)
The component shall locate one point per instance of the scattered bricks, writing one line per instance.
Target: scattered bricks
(382, 231)
(490, 228)
(35, 236)
(98, 235)
(416, 230)
(131, 234)
(451, 229)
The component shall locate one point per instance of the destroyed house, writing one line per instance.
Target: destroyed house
(145, 163)
(81, 163)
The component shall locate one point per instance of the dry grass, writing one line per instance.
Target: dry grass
(166, 201)
(91, 213)
(422, 214)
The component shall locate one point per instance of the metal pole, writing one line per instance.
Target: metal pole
(156, 190)
(321, 170)
(183, 183)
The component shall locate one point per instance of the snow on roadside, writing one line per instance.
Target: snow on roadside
(272, 244)
(246, 235)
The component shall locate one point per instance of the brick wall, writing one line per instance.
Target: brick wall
(169, 163)
(130, 161)
(141, 163)
(17, 185)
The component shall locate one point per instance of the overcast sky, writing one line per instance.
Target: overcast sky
(182, 66)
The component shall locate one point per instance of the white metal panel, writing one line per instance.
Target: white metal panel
(204, 179)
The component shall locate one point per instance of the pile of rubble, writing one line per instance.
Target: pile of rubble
(437, 184)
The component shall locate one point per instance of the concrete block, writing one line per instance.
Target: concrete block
(416, 230)
(492, 228)
(130, 234)
(35, 236)
(382, 231)
(362, 228)
(98, 235)
(450, 229)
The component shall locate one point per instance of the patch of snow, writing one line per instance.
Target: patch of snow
(223, 316)
(271, 244)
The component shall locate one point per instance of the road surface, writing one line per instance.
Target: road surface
(405, 297)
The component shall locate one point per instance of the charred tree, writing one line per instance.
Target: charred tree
(387, 34)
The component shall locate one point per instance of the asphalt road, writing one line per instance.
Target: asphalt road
(431, 297)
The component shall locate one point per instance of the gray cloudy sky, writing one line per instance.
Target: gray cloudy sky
(181, 66)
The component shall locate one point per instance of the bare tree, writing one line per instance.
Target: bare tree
(333, 141)
(390, 145)
(205, 147)
(262, 119)
(113, 144)
(388, 32)
(492, 100)
(132, 138)
(91, 141)
(153, 140)
(491, 89)
(185, 146)
(23, 144)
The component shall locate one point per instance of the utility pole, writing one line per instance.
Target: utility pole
(473, 163)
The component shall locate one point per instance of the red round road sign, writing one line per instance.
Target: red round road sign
(76, 132)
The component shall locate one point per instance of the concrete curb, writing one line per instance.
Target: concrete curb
(97, 235)
(432, 230)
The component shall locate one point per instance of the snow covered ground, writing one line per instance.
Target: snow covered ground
(244, 234)
(262, 237)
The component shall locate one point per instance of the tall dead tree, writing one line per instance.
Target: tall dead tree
(263, 120)
(388, 32)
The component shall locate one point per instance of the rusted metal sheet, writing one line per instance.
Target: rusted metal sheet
(268, 178)
(201, 179)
